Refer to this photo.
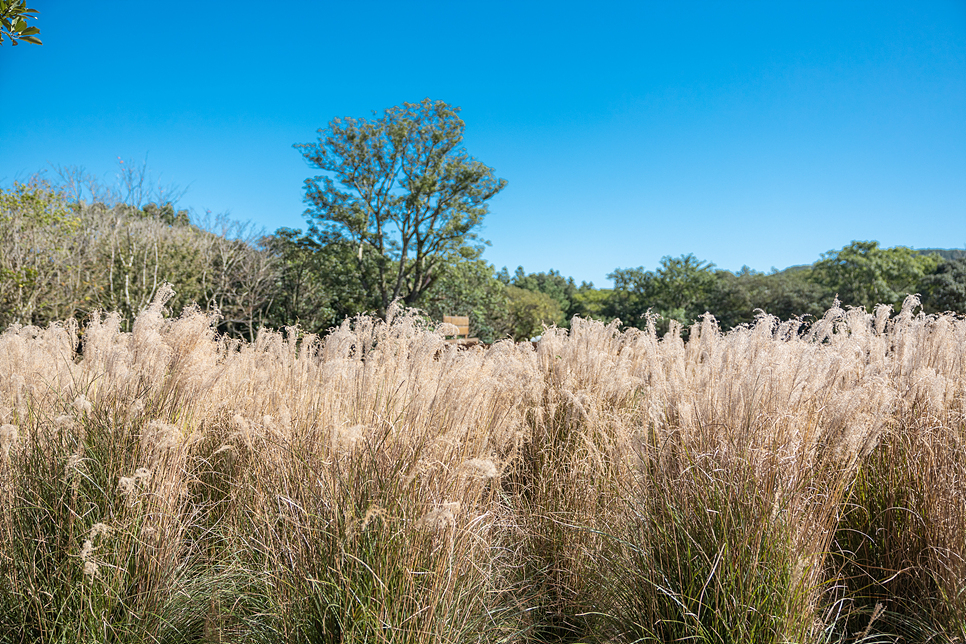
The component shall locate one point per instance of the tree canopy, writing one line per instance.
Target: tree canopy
(864, 274)
(13, 22)
(402, 191)
(678, 290)
(945, 289)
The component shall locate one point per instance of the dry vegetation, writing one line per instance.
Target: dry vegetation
(772, 484)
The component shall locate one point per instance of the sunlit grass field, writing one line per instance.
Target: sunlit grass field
(779, 483)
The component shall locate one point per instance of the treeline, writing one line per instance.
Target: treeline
(65, 253)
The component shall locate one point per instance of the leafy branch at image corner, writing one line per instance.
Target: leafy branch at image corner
(13, 22)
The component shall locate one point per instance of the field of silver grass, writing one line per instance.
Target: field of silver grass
(773, 484)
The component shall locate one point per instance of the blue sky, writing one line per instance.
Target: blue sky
(755, 133)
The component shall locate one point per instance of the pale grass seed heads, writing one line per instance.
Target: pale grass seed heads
(775, 483)
(9, 434)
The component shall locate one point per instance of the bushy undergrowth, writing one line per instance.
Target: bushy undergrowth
(773, 484)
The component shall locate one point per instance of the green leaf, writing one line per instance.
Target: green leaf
(30, 31)
(31, 39)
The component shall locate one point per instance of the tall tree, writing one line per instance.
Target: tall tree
(528, 311)
(863, 274)
(945, 289)
(680, 289)
(402, 190)
(591, 303)
(560, 288)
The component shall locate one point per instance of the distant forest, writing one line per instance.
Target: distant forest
(70, 247)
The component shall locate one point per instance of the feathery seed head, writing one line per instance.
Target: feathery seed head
(441, 517)
(161, 435)
(345, 438)
(73, 467)
(82, 404)
(244, 428)
(100, 528)
(87, 549)
(194, 439)
(481, 467)
(125, 485)
(285, 417)
(372, 513)
(90, 569)
(8, 438)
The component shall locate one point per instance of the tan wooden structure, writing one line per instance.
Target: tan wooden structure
(462, 324)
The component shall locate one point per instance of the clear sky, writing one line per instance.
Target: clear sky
(743, 132)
